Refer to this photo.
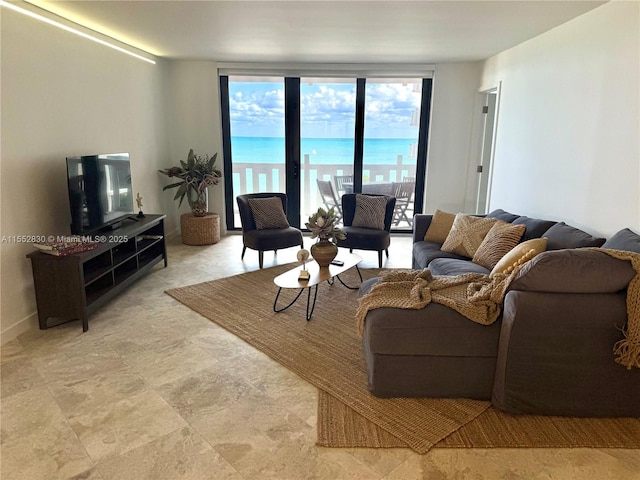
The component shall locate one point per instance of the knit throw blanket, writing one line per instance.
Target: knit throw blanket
(479, 298)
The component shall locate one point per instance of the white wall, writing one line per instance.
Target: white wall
(451, 138)
(568, 133)
(63, 95)
(194, 122)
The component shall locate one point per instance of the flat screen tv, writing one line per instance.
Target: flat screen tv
(100, 192)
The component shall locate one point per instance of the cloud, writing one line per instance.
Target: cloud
(327, 109)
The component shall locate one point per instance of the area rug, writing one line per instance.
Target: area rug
(327, 352)
(341, 426)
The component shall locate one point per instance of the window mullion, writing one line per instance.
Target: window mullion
(358, 151)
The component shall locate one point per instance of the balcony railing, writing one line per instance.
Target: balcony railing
(270, 177)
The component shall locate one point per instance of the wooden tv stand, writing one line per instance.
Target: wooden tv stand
(74, 286)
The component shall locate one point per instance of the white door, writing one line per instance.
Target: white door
(484, 165)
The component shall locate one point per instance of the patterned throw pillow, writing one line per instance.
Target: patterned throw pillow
(466, 235)
(370, 211)
(499, 241)
(520, 254)
(268, 213)
(439, 227)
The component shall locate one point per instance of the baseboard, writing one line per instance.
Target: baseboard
(173, 234)
(28, 323)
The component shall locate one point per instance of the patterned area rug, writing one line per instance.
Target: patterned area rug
(327, 352)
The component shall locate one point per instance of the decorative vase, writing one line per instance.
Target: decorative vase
(323, 252)
(198, 202)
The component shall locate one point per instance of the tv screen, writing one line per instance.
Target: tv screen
(100, 192)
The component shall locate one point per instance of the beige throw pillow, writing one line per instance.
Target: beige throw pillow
(520, 254)
(499, 241)
(268, 213)
(466, 235)
(439, 227)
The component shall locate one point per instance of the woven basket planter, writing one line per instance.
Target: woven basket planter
(200, 230)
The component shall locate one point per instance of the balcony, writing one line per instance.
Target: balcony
(270, 177)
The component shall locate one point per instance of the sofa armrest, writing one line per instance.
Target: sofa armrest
(421, 224)
(574, 271)
(555, 356)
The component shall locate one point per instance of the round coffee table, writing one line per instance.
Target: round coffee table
(317, 275)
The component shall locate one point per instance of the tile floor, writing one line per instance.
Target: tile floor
(155, 391)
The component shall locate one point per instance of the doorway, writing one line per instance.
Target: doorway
(485, 165)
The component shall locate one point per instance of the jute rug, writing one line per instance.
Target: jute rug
(327, 352)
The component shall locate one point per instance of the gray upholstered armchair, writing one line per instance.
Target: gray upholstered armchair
(269, 230)
(368, 237)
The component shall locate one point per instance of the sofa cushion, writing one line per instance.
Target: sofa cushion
(268, 213)
(502, 215)
(467, 233)
(425, 252)
(433, 330)
(535, 227)
(370, 211)
(454, 266)
(625, 239)
(499, 241)
(520, 254)
(562, 235)
(439, 227)
(574, 271)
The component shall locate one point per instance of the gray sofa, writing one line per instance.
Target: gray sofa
(550, 352)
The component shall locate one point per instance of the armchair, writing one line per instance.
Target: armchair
(274, 232)
(367, 237)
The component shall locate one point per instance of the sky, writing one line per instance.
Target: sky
(327, 109)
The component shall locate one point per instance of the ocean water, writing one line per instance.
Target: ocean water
(377, 151)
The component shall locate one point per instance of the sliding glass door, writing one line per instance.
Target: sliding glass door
(391, 127)
(327, 120)
(318, 138)
(257, 136)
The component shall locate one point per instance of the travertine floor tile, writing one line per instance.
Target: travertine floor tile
(208, 391)
(18, 375)
(116, 428)
(169, 363)
(11, 350)
(83, 397)
(460, 464)
(581, 463)
(37, 442)
(182, 454)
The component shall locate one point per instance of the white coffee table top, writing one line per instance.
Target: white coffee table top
(317, 274)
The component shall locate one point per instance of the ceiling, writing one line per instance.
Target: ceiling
(321, 31)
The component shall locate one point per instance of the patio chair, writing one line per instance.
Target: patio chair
(367, 237)
(270, 230)
(403, 191)
(329, 198)
(340, 180)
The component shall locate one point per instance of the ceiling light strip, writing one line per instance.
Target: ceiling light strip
(49, 21)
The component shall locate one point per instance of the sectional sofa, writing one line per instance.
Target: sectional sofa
(551, 350)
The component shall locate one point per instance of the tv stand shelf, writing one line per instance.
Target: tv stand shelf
(72, 287)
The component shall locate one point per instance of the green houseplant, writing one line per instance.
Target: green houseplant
(196, 175)
(323, 226)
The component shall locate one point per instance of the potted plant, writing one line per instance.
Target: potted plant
(323, 226)
(196, 175)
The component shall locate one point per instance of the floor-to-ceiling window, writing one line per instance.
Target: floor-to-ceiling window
(316, 138)
(327, 129)
(256, 122)
(391, 125)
